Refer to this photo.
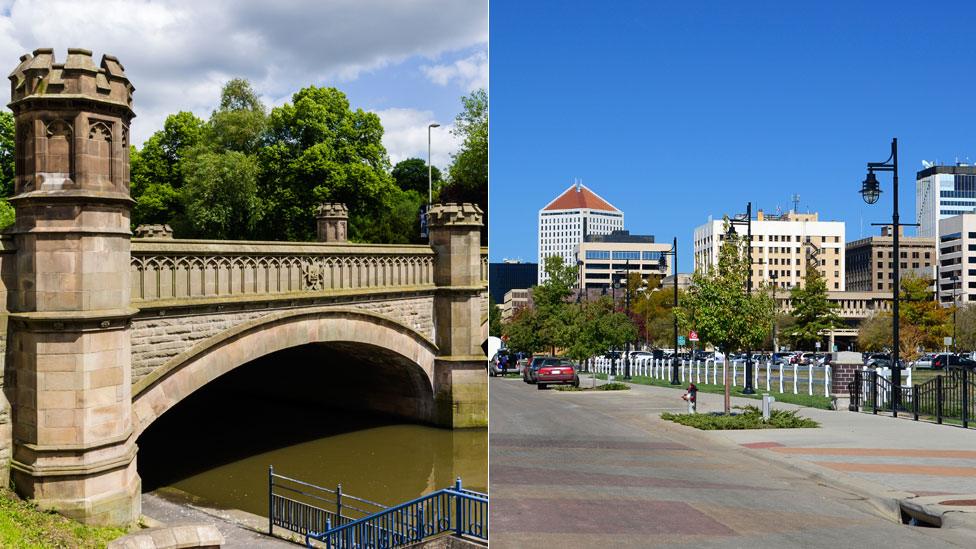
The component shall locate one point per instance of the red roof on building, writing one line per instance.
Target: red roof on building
(579, 197)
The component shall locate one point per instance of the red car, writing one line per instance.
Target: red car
(556, 372)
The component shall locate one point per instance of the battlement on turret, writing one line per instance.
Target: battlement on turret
(39, 76)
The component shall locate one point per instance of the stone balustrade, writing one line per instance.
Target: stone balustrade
(181, 270)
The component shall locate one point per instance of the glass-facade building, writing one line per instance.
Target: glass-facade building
(942, 192)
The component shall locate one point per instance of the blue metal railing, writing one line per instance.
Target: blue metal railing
(457, 510)
(302, 507)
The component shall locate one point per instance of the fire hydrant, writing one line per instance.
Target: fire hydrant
(692, 398)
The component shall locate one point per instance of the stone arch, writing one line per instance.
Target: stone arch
(209, 359)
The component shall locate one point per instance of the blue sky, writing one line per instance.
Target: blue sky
(409, 61)
(674, 111)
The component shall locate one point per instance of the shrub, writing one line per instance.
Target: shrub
(749, 418)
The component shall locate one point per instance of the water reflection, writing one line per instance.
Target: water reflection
(218, 443)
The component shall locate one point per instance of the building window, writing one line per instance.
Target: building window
(626, 255)
(597, 254)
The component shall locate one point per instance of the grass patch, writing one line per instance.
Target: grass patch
(568, 388)
(750, 418)
(613, 387)
(23, 525)
(812, 401)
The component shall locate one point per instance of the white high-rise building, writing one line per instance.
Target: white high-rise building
(564, 222)
(942, 192)
(781, 244)
(957, 260)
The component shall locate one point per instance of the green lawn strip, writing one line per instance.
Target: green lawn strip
(749, 418)
(23, 525)
(604, 387)
(814, 401)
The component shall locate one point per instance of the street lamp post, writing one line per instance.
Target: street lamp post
(955, 307)
(870, 192)
(430, 168)
(748, 389)
(626, 272)
(673, 252)
(774, 276)
(579, 268)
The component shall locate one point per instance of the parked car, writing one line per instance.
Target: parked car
(557, 372)
(503, 363)
(924, 361)
(871, 360)
(531, 372)
(949, 360)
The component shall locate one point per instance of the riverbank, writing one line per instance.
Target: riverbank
(22, 524)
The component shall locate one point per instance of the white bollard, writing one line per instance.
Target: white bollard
(810, 379)
(794, 378)
(698, 371)
(769, 367)
(827, 380)
(735, 373)
(780, 377)
(725, 363)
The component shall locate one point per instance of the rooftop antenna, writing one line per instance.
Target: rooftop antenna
(796, 203)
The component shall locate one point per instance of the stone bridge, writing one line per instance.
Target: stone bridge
(103, 333)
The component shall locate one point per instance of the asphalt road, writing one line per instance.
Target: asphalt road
(601, 469)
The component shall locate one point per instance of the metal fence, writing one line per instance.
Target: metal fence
(301, 507)
(948, 397)
(456, 510)
(781, 378)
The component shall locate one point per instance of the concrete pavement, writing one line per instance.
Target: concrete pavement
(602, 469)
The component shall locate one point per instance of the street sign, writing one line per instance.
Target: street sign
(692, 336)
(948, 341)
(681, 340)
(818, 345)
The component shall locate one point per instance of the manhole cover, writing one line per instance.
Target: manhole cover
(959, 502)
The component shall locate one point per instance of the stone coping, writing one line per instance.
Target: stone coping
(304, 296)
(174, 363)
(158, 246)
(171, 537)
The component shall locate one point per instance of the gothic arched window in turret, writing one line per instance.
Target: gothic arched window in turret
(100, 152)
(57, 162)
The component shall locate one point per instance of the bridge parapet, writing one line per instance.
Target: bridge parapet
(180, 271)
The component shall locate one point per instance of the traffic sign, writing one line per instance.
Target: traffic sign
(681, 340)
(818, 345)
(692, 336)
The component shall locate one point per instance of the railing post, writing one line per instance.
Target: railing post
(270, 499)
(915, 402)
(457, 508)
(339, 500)
(938, 399)
(965, 398)
(874, 391)
(420, 522)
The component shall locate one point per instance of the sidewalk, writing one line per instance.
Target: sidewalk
(896, 463)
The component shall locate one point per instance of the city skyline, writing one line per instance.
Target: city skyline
(675, 113)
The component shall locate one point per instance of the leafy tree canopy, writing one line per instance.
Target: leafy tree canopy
(411, 175)
(812, 312)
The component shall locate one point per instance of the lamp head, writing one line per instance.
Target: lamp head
(870, 189)
(435, 125)
(662, 263)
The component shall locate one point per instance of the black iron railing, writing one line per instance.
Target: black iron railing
(950, 396)
(301, 507)
(461, 512)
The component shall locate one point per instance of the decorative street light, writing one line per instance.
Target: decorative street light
(955, 307)
(663, 264)
(870, 192)
(430, 168)
(748, 389)
(579, 268)
(774, 276)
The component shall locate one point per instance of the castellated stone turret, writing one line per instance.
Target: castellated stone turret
(72, 122)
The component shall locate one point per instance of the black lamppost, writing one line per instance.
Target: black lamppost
(663, 263)
(870, 192)
(579, 269)
(626, 272)
(748, 389)
(955, 307)
(774, 276)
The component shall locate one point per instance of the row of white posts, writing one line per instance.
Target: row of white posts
(787, 378)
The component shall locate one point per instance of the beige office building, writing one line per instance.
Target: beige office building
(781, 244)
(515, 299)
(871, 261)
(604, 259)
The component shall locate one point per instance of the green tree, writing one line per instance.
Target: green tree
(494, 318)
(966, 328)
(318, 149)
(721, 309)
(812, 312)
(524, 332)
(156, 171)
(411, 175)
(221, 194)
(874, 333)
(593, 328)
(6, 154)
(239, 123)
(924, 323)
(559, 285)
(468, 173)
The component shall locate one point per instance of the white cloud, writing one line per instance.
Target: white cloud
(405, 136)
(178, 53)
(470, 73)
